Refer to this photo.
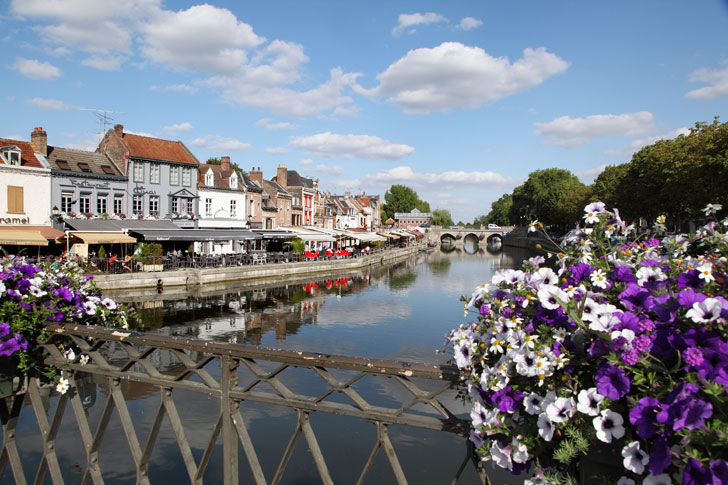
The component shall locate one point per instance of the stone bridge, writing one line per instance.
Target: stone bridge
(460, 234)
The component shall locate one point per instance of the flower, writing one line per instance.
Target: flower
(532, 226)
(62, 386)
(589, 400)
(70, 355)
(634, 458)
(609, 425)
(612, 381)
(83, 359)
(712, 209)
(706, 310)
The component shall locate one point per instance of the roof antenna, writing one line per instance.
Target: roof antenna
(103, 116)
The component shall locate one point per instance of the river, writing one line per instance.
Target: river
(400, 312)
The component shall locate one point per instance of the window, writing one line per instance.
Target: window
(138, 205)
(233, 211)
(108, 170)
(101, 204)
(186, 176)
(83, 166)
(154, 205)
(12, 156)
(233, 182)
(208, 179)
(153, 173)
(208, 207)
(190, 206)
(63, 164)
(138, 172)
(251, 211)
(118, 204)
(15, 200)
(66, 201)
(84, 204)
(173, 175)
(175, 205)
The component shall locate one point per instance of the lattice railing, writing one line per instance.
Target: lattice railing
(415, 395)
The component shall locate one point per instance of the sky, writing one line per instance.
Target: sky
(458, 100)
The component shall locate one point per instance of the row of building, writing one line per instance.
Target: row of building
(134, 181)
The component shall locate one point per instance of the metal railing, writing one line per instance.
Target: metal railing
(233, 374)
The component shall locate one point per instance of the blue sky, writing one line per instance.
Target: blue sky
(458, 100)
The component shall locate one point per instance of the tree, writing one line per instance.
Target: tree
(499, 211)
(400, 198)
(606, 187)
(233, 166)
(442, 217)
(554, 196)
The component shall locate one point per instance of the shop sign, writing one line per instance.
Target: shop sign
(14, 220)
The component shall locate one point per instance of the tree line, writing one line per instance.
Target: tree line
(677, 178)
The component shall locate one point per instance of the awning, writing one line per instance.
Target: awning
(389, 235)
(195, 234)
(315, 237)
(27, 238)
(119, 225)
(46, 231)
(365, 236)
(274, 234)
(100, 237)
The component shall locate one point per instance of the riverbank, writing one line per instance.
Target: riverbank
(190, 277)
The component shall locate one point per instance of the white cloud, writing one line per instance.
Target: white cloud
(469, 23)
(636, 145)
(104, 62)
(176, 88)
(36, 69)
(717, 80)
(437, 180)
(275, 126)
(219, 143)
(331, 170)
(588, 176)
(332, 145)
(184, 126)
(49, 104)
(306, 161)
(202, 37)
(453, 75)
(276, 150)
(570, 132)
(407, 20)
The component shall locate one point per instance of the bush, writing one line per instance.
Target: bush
(149, 253)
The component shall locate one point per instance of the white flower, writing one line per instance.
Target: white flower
(589, 400)
(597, 207)
(2, 288)
(520, 451)
(705, 272)
(476, 437)
(544, 276)
(712, 209)
(62, 386)
(561, 409)
(604, 323)
(532, 226)
(89, 307)
(647, 274)
(36, 292)
(591, 309)
(625, 481)
(501, 456)
(598, 279)
(634, 458)
(663, 479)
(70, 355)
(532, 403)
(705, 311)
(559, 334)
(109, 303)
(549, 296)
(591, 217)
(609, 425)
(84, 359)
(625, 333)
(545, 427)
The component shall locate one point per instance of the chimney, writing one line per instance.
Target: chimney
(256, 176)
(282, 176)
(39, 138)
(225, 163)
(119, 129)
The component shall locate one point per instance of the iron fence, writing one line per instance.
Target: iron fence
(231, 374)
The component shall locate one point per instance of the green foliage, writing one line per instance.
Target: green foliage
(233, 165)
(499, 212)
(441, 217)
(298, 246)
(149, 253)
(102, 252)
(400, 198)
(572, 446)
(553, 196)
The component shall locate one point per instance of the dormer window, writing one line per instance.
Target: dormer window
(84, 167)
(12, 155)
(63, 164)
(233, 182)
(208, 179)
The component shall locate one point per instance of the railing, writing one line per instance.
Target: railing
(234, 375)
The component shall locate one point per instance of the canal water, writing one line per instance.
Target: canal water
(400, 312)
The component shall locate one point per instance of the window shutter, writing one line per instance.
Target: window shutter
(15, 199)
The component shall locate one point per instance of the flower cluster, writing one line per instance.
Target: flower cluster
(34, 295)
(613, 341)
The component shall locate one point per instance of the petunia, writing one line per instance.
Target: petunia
(545, 427)
(659, 456)
(612, 381)
(589, 401)
(501, 455)
(609, 426)
(561, 409)
(694, 474)
(705, 311)
(662, 479)
(634, 458)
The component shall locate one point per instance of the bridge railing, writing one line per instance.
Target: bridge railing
(229, 377)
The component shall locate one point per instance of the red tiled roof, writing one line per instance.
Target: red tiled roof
(157, 149)
(27, 150)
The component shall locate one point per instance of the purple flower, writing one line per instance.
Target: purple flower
(484, 309)
(623, 274)
(692, 414)
(507, 399)
(644, 417)
(689, 279)
(63, 294)
(4, 329)
(630, 356)
(693, 356)
(719, 468)
(598, 348)
(694, 474)
(580, 272)
(9, 347)
(688, 297)
(660, 456)
(634, 297)
(612, 381)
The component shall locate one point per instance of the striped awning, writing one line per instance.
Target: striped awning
(100, 237)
